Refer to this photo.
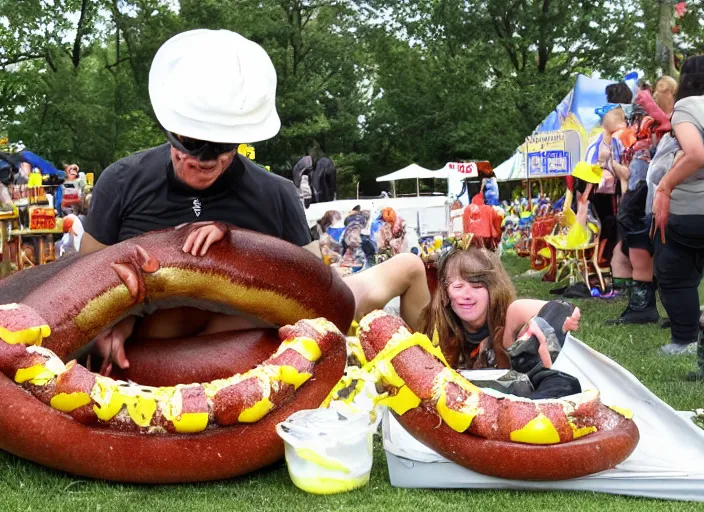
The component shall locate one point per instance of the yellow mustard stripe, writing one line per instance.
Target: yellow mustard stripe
(380, 368)
(290, 375)
(265, 304)
(307, 347)
(343, 383)
(29, 336)
(355, 348)
(67, 402)
(626, 413)
(103, 309)
(353, 330)
(403, 401)
(539, 430)
(110, 401)
(191, 422)
(388, 373)
(38, 375)
(578, 432)
(456, 420)
(399, 343)
(256, 412)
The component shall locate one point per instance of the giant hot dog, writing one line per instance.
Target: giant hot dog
(501, 436)
(63, 416)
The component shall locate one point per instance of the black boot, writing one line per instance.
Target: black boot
(642, 308)
(698, 375)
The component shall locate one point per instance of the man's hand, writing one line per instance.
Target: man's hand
(110, 344)
(200, 239)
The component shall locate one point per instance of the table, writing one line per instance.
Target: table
(46, 243)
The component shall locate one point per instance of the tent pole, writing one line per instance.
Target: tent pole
(393, 188)
(417, 187)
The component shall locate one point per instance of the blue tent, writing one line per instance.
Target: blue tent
(576, 109)
(38, 162)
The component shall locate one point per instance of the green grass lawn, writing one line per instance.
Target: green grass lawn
(26, 486)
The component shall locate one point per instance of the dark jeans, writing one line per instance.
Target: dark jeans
(678, 268)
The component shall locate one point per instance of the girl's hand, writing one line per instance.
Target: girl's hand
(110, 345)
(572, 323)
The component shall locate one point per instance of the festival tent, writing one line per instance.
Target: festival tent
(511, 169)
(415, 172)
(668, 462)
(575, 112)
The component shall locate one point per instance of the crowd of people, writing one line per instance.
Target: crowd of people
(649, 201)
(362, 239)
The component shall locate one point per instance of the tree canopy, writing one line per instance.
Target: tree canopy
(375, 84)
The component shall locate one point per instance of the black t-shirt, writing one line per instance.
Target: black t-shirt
(141, 193)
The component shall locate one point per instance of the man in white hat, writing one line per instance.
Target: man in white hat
(198, 175)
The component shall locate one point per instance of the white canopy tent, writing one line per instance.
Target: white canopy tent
(511, 169)
(414, 171)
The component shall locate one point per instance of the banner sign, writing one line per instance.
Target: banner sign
(552, 154)
(466, 169)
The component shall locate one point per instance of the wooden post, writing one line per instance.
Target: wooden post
(5, 267)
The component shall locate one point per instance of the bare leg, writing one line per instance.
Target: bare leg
(642, 263)
(620, 264)
(404, 276)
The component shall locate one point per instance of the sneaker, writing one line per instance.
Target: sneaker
(613, 294)
(679, 349)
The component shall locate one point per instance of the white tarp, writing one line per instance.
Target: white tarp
(414, 171)
(668, 462)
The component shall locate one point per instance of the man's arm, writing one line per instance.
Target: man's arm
(102, 224)
(690, 140)
(90, 244)
(295, 226)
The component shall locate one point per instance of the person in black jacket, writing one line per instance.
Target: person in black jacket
(478, 323)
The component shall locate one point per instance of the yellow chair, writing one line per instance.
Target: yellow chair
(574, 260)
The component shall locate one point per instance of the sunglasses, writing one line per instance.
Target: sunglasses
(201, 149)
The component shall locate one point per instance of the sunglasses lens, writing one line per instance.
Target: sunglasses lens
(200, 149)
